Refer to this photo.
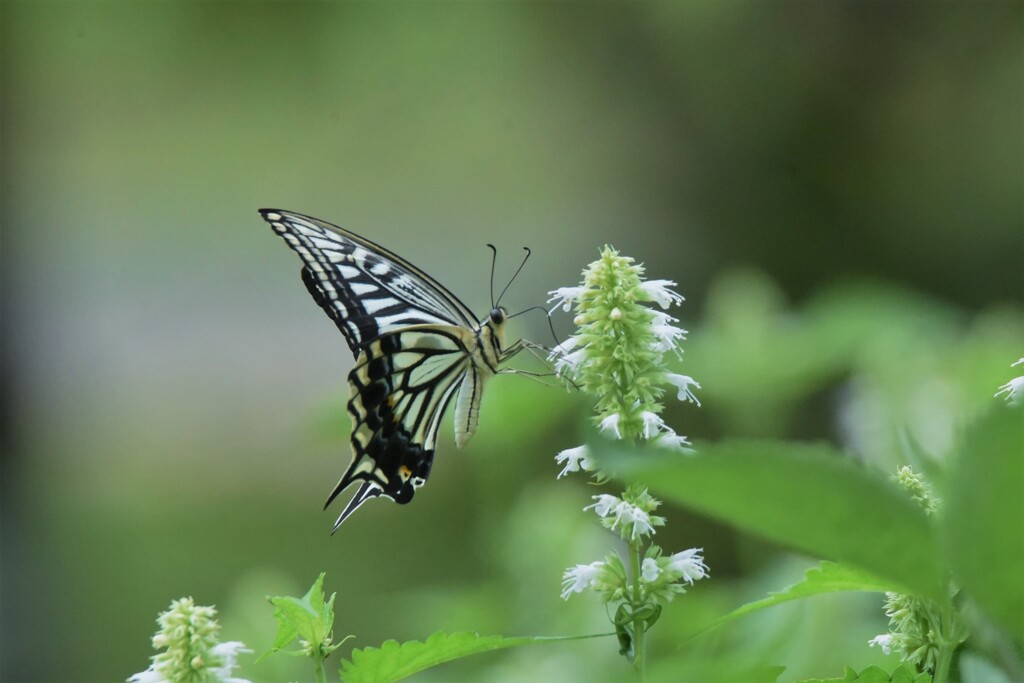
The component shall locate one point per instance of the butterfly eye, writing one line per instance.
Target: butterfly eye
(497, 316)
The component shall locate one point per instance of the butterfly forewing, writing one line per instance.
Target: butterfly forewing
(415, 346)
(367, 290)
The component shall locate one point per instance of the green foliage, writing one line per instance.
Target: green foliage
(393, 661)
(984, 522)
(827, 577)
(908, 362)
(801, 495)
(309, 619)
(723, 671)
(904, 674)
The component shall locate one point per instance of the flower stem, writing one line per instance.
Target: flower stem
(951, 635)
(318, 663)
(945, 660)
(639, 634)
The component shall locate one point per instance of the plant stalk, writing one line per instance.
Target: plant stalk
(318, 663)
(639, 628)
(942, 668)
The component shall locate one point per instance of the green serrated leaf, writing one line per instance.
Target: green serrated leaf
(904, 674)
(292, 617)
(984, 519)
(393, 661)
(308, 617)
(327, 613)
(873, 674)
(827, 577)
(719, 670)
(807, 496)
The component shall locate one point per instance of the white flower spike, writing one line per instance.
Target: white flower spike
(188, 636)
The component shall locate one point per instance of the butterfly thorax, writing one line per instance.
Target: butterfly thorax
(490, 341)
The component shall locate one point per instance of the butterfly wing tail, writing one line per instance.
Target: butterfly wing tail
(367, 491)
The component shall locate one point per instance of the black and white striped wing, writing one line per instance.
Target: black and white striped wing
(365, 289)
(401, 385)
(412, 340)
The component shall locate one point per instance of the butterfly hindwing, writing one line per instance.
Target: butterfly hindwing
(400, 386)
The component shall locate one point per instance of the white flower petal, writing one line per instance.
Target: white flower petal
(641, 522)
(565, 297)
(653, 424)
(649, 570)
(570, 363)
(575, 459)
(1014, 390)
(564, 348)
(684, 384)
(229, 651)
(689, 564)
(883, 641)
(579, 578)
(669, 439)
(611, 424)
(662, 318)
(659, 292)
(605, 504)
(148, 676)
(668, 337)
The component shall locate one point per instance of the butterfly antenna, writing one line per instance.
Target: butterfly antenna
(518, 270)
(494, 258)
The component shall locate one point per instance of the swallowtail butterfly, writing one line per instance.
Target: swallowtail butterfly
(415, 345)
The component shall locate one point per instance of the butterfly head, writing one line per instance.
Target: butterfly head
(498, 316)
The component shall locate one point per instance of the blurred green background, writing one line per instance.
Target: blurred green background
(836, 187)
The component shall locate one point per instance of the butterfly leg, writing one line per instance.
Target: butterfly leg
(512, 351)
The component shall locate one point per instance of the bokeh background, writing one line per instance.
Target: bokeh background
(836, 187)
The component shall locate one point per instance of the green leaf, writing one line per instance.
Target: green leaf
(904, 674)
(720, 670)
(806, 496)
(393, 661)
(828, 577)
(308, 618)
(984, 518)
